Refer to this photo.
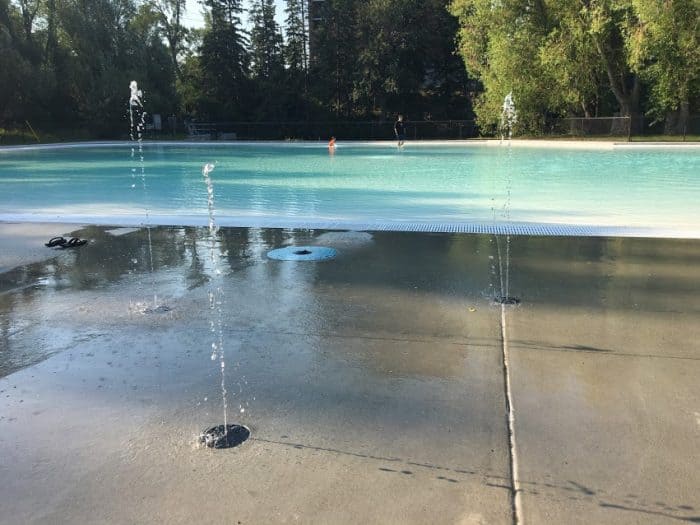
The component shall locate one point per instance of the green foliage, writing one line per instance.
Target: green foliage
(168, 16)
(295, 49)
(587, 57)
(664, 48)
(265, 41)
(69, 62)
(381, 57)
(224, 62)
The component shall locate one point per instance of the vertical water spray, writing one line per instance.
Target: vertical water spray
(509, 117)
(221, 436)
(137, 121)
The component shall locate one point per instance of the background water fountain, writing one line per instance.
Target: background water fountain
(137, 121)
(509, 117)
(226, 435)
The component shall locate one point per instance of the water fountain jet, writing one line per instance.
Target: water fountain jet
(509, 117)
(137, 120)
(226, 435)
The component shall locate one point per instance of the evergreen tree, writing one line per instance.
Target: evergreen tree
(224, 61)
(295, 50)
(332, 66)
(265, 41)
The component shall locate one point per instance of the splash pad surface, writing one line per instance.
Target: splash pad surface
(372, 383)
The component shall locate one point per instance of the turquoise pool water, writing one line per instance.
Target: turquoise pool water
(421, 187)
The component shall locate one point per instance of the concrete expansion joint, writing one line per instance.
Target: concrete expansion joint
(516, 491)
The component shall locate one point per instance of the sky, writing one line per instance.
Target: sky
(193, 14)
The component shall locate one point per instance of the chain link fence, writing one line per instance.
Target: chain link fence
(625, 128)
(323, 130)
(616, 128)
(579, 128)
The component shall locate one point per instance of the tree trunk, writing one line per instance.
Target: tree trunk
(627, 99)
(50, 50)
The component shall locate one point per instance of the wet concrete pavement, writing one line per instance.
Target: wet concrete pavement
(373, 383)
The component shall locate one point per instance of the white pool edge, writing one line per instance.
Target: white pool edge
(517, 143)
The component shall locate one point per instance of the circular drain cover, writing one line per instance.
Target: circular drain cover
(302, 253)
(217, 437)
(506, 300)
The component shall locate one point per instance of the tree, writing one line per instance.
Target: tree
(16, 68)
(295, 50)
(664, 49)
(332, 65)
(605, 21)
(405, 60)
(224, 60)
(500, 42)
(558, 58)
(265, 41)
(571, 61)
(169, 16)
(268, 72)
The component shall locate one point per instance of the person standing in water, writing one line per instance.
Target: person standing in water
(400, 130)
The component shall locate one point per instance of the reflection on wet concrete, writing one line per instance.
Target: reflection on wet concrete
(386, 357)
(602, 355)
(608, 275)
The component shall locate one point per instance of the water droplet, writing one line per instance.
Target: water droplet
(213, 356)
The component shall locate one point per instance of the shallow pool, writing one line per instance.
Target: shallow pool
(624, 190)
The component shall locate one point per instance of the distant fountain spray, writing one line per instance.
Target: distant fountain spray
(509, 117)
(137, 121)
(221, 436)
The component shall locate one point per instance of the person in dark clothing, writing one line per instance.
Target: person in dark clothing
(400, 130)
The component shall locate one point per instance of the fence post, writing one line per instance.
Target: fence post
(32, 130)
(629, 128)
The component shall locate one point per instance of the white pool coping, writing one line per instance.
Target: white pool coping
(518, 143)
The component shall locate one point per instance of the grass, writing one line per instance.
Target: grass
(18, 136)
